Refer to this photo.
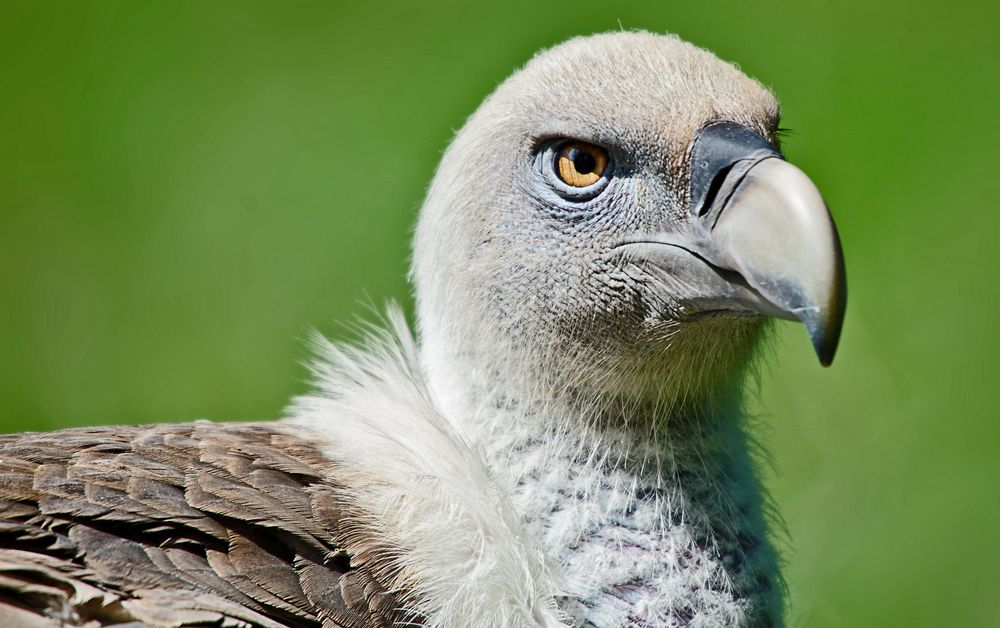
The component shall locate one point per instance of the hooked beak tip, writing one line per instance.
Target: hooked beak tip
(824, 338)
(825, 324)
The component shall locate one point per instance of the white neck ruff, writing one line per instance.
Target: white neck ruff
(513, 518)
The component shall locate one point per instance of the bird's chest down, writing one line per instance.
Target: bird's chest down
(646, 536)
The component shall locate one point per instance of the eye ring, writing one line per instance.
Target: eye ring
(581, 165)
(574, 169)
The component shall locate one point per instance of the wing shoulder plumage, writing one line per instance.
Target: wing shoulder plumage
(184, 524)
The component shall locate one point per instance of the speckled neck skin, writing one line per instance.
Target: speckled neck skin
(657, 525)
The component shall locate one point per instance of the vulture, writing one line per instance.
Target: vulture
(560, 442)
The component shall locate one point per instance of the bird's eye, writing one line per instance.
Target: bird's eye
(580, 165)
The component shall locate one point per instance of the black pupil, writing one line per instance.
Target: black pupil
(583, 162)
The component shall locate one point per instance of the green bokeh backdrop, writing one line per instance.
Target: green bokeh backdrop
(187, 188)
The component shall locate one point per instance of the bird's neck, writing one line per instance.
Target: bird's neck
(648, 511)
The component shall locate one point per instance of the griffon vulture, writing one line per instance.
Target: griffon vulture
(560, 444)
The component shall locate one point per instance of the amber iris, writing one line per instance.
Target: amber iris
(580, 164)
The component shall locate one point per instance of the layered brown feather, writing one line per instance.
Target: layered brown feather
(184, 524)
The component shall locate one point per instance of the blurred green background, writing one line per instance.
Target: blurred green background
(187, 188)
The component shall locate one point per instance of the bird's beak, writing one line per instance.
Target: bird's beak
(759, 239)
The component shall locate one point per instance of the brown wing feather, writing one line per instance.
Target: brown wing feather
(177, 525)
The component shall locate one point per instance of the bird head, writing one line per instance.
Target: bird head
(617, 216)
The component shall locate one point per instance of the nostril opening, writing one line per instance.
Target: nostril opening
(714, 187)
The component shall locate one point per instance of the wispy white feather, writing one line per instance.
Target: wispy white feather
(425, 487)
